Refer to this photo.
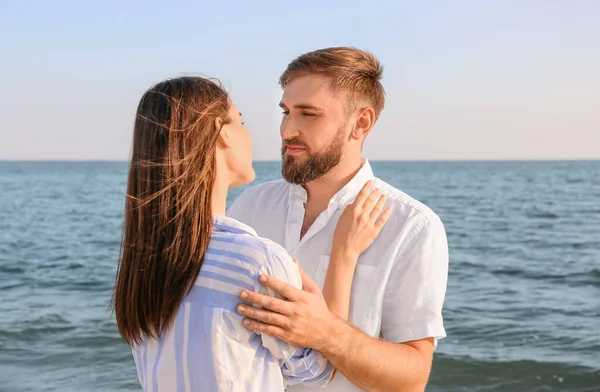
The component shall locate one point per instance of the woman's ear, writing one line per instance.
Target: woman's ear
(223, 140)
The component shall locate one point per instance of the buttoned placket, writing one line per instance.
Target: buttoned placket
(295, 220)
(295, 213)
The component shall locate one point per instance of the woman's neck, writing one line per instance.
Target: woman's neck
(219, 196)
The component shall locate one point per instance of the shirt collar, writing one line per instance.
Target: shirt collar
(227, 224)
(344, 195)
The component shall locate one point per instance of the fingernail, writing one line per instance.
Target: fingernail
(262, 278)
(244, 295)
(246, 322)
(242, 308)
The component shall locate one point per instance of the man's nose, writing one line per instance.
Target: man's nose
(288, 128)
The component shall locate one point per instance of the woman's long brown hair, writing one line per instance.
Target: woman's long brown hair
(168, 212)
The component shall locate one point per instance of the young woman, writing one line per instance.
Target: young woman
(184, 263)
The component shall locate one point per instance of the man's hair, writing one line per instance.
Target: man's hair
(354, 74)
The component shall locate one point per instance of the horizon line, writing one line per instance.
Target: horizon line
(43, 160)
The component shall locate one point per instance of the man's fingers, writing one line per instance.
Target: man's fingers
(271, 330)
(265, 316)
(285, 289)
(383, 218)
(266, 301)
(363, 194)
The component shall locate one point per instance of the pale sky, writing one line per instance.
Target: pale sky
(510, 79)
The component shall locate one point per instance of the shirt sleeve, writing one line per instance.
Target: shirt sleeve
(414, 296)
(299, 365)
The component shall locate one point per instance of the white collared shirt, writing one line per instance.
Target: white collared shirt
(400, 280)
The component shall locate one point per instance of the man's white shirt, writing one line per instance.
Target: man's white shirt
(400, 281)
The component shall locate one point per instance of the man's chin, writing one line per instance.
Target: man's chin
(292, 175)
(295, 157)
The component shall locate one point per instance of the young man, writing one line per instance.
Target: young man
(331, 100)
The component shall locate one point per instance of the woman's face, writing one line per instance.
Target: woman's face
(239, 153)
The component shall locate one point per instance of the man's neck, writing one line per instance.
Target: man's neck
(320, 191)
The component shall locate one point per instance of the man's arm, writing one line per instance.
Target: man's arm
(376, 365)
(416, 289)
(304, 320)
(411, 322)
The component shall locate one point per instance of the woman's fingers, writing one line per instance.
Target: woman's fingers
(363, 194)
(383, 218)
(378, 208)
(370, 202)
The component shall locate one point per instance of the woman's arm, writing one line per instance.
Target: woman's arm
(359, 224)
(338, 282)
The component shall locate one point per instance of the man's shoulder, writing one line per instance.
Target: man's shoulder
(405, 206)
(256, 198)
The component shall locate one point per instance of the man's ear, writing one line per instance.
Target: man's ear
(363, 124)
(223, 140)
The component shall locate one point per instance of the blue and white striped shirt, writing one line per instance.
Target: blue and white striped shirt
(207, 348)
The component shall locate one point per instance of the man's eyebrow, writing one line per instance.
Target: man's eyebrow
(301, 106)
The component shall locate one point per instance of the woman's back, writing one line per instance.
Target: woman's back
(207, 348)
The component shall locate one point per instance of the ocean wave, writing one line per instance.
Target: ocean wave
(468, 374)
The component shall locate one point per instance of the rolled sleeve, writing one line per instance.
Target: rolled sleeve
(415, 293)
(298, 365)
(307, 367)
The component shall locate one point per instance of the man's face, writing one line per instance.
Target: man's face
(313, 129)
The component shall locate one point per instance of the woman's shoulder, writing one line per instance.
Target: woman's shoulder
(260, 250)
(278, 262)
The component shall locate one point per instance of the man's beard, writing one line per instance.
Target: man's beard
(303, 169)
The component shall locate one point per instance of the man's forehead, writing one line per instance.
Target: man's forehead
(312, 90)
